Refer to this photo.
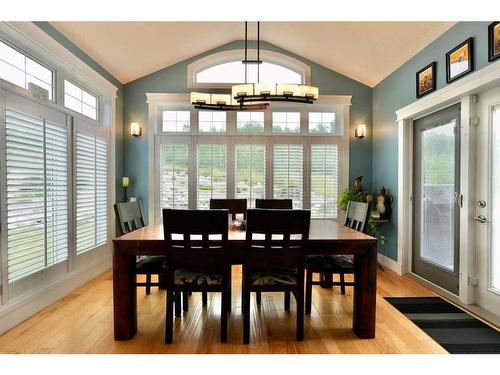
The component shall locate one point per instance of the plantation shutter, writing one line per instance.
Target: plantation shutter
(289, 173)
(91, 192)
(37, 191)
(174, 179)
(324, 180)
(250, 172)
(212, 173)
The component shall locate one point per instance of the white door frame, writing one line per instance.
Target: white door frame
(465, 92)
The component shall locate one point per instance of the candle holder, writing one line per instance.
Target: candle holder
(125, 185)
(125, 198)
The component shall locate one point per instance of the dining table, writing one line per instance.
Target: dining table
(325, 237)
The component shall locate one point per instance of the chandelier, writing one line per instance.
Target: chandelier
(255, 96)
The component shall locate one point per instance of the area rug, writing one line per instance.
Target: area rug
(452, 328)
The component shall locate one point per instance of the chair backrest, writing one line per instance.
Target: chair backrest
(196, 239)
(356, 216)
(276, 238)
(129, 216)
(234, 206)
(277, 204)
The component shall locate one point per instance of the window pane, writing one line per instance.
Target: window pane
(90, 100)
(72, 90)
(288, 173)
(250, 172)
(286, 122)
(176, 121)
(495, 189)
(211, 161)
(12, 74)
(79, 100)
(37, 82)
(174, 181)
(321, 122)
(11, 56)
(250, 122)
(212, 121)
(89, 111)
(39, 71)
(324, 180)
(72, 103)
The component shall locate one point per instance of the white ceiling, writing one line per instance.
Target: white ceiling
(365, 51)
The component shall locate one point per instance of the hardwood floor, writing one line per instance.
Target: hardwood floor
(82, 322)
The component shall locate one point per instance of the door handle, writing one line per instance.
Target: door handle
(480, 219)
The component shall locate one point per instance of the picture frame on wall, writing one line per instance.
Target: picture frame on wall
(426, 80)
(494, 41)
(460, 61)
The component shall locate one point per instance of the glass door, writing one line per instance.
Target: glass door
(436, 198)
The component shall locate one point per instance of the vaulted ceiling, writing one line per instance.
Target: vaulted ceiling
(365, 51)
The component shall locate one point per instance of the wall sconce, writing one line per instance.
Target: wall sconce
(360, 131)
(135, 129)
(125, 185)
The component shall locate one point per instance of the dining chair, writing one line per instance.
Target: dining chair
(234, 206)
(129, 218)
(278, 204)
(326, 265)
(274, 258)
(196, 261)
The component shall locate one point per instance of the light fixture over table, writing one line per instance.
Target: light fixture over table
(255, 96)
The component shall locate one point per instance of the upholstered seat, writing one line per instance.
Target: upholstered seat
(330, 263)
(150, 264)
(184, 276)
(274, 277)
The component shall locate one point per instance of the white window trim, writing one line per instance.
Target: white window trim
(157, 102)
(34, 42)
(237, 55)
(464, 92)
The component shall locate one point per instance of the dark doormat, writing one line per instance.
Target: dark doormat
(451, 327)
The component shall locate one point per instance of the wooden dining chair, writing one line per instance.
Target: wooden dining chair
(278, 204)
(196, 261)
(129, 218)
(274, 258)
(326, 265)
(234, 206)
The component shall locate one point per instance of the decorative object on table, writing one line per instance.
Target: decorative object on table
(125, 185)
(135, 129)
(426, 80)
(459, 61)
(238, 224)
(360, 131)
(494, 41)
(384, 204)
(356, 194)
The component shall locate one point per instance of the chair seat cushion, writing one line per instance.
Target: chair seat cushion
(330, 263)
(184, 276)
(274, 277)
(150, 264)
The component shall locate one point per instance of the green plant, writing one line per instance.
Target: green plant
(375, 232)
(351, 194)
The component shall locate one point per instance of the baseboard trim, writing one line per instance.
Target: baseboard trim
(390, 263)
(20, 309)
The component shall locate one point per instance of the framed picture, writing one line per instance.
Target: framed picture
(426, 80)
(459, 61)
(494, 41)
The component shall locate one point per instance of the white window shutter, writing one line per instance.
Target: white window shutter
(174, 172)
(324, 180)
(250, 172)
(289, 173)
(212, 173)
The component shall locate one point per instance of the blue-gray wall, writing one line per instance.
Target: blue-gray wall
(397, 91)
(173, 79)
(70, 46)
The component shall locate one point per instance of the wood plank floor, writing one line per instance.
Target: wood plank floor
(82, 322)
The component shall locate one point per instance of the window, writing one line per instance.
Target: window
(37, 194)
(250, 122)
(286, 122)
(174, 172)
(250, 172)
(234, 72)
(212, 173)
(324, 180)
(322, 122)
(212, 122)
(289, 173)
(79, 100)
(91, 192)
(176, 121)
(21, 70)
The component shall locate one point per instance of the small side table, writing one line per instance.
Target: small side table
(378, 223)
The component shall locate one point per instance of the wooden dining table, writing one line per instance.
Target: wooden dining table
(325, 237)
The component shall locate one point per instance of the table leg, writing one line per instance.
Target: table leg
(124, 295)
(365, 293)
